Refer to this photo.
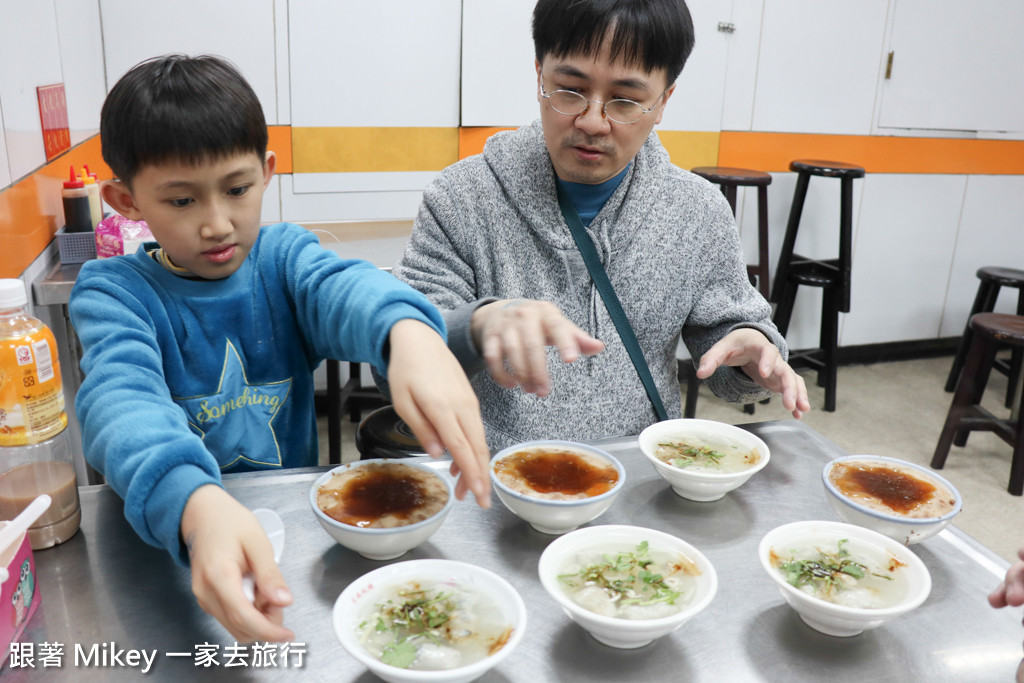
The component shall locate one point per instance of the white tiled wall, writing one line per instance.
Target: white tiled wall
(27, 28)
(81, 58)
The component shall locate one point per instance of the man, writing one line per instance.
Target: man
(492, 250)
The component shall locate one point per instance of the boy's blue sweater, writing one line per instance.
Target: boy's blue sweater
(186, 379)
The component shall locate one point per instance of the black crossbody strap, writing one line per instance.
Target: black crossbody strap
(611, 302)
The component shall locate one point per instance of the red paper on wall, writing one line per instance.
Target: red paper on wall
(53, 115)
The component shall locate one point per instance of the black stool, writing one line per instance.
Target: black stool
(831, 275)
(992, 279)
(352, 396)
(729, 179)
(990, 332)
(382, 434)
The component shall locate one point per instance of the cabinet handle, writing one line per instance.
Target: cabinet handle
(888, 66)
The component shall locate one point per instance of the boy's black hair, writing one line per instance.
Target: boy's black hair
(179, 108)
(651, 34)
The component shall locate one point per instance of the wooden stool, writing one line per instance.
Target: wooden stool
(992, 279)
(382, 434)
(831, 275)
(991, 331)
(728, 179)
(731, 178)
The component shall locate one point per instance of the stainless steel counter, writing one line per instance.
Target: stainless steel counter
(106, 588)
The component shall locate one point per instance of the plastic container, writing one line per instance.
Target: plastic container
(77, 211)
(35, 449)
(46, 467)
(19, 594)
(92, 188)
(31, 392)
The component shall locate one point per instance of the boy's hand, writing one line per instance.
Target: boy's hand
(431, 393)
(225, 542)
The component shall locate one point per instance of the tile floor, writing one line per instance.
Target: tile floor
(895, 409)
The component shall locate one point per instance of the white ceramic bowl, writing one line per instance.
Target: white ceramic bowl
(360, 597)
(614, 631)
(828, 617)
(693, 483)
(906, 530)
(380, 544)
(556, 516)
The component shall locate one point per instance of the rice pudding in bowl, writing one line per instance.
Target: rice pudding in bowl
(556, 486)
(429, 620)
(843, 579)
(702, 460)
(627, 585)
(381, 508)
(904, 501)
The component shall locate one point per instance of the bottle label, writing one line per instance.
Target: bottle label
(31, 394)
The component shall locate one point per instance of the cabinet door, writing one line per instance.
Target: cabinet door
(239, 30)
(499, 83)
(956, 66)
(819, 66)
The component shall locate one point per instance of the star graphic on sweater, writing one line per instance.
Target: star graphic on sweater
(236, 422)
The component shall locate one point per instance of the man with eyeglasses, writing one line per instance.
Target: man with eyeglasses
(491, 248)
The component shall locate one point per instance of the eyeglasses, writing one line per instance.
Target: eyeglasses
(572, 103)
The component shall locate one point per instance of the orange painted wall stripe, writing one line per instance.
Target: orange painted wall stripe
(280, 143)
(772, 152)
(29, 209)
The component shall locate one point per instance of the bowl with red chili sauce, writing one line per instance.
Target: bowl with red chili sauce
(381, 508)
(906, 502)
(556, 486)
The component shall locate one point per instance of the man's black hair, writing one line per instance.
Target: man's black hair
(177, 108)
(651, 34)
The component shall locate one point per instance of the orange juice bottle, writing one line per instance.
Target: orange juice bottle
(31, 393)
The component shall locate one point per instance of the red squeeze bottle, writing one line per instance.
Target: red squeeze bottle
(75, 198)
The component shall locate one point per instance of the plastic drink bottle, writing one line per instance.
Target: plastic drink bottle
(35, 450)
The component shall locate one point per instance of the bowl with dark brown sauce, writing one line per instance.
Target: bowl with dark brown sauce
(899, 499)
(381, 508)
(556, 486)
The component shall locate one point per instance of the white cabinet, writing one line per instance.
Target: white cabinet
(956, 66)
(243, 31)
(819, 65)
(990, 234)
(903, 248)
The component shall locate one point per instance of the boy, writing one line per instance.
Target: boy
(198, 350)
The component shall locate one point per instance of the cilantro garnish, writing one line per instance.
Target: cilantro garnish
(824, 573)
(684, 455)
(627, 578)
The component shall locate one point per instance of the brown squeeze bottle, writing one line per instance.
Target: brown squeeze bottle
(77, 210)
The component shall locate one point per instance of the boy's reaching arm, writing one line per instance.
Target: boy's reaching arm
(432, 394)
(225, 542)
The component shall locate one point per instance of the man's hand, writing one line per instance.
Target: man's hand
(754, 353)
(1011, 593)
(512, 336)
(431, 393)
(225, 542)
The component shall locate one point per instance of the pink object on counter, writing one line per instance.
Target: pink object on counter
(116, 235)
(19, 594)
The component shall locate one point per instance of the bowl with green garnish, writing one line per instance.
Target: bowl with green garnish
(627, 585)
(702, 460)
(429, 621)
(843, 579)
